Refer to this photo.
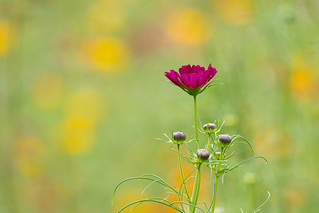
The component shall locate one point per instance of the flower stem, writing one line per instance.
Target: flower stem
(222, 150)
(215, 194)
(181, 170)
(208, 143)
(196, 190)
(195, 121)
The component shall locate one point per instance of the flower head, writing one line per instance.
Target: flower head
(179, 137)
(192, 79)
(203, 154)
(209, 128)
(225, 139)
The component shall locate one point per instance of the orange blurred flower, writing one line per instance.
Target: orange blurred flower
(295, 197)
(45, 194)
(29, 150)
(235, 12)
(5, 37)
(131, 195)
(175, 180)
(106, 54)
(187, 26)
(47, 90)
(272, 143)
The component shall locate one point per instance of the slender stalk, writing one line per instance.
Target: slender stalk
(222, 150)
(215, 193)
(181, 171)
(208, 143)
(196, 190)
(195, 121)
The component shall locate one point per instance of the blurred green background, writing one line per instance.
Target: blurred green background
(83, 98)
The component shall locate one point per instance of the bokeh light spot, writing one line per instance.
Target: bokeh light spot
(47, 90)
(106, 54)
(5, 37)
(235, 12)
(187, 26)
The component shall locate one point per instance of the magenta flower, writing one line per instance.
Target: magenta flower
(192, 79)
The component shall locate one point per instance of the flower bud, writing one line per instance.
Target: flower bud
(203, 154)
(209, 127)
(179, 136)
(224, 139)
(218, 154)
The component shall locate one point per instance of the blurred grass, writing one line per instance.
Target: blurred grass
(83, 97)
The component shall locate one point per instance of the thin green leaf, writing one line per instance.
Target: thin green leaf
(245, 140)
(188, 204)
(234, 167)
(163, 183)
(155, 198)
(259, 207)
(182, 155)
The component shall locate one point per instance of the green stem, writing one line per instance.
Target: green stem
(215, 194)
(181, 171)
(195, 121)
(208, 144)
(196, 190)
(222, 150)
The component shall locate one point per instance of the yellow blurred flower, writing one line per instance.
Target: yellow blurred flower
(295, 196)
(106, 54)
(106, 16)
(86, 102)
(47, 90)
(273, 142)
(231, 119)
(77, 134)
(84, 109)
(187, 26)
(235, 12)
(29, 151)
(250, 178)
(5, 37)
(302, 80)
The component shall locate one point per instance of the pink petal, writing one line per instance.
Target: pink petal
(192, 80)
(185, 69)
(201, 79)
(173, 76)
(185, 80)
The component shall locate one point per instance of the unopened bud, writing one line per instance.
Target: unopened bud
(225, 139)
(203, 154)
(179, 136)
(209, 127)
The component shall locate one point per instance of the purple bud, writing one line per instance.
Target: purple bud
(179, 136)
(225, 139)
(203, 154)
(209, 126)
